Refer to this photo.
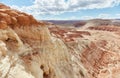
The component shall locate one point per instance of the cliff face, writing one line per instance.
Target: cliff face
(32, 49)
(27, 50)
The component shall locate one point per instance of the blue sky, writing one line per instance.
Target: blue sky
(67, 9)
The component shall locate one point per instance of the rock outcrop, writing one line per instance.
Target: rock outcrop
(32, 49)
(27, 50)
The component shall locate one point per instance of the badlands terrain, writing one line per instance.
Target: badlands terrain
(37, 49)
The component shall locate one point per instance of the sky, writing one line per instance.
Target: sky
(67, 9)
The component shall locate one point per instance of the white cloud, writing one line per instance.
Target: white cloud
(109, 16)
(118, 15)
(55, 7)
(102, 16)
(87, 17)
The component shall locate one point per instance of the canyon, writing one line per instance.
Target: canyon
(35, 49)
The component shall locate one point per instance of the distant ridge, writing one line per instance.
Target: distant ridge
(63, 21)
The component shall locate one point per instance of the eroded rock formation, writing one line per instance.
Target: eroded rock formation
(95, 48)
(27, 50)
(32, 49)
